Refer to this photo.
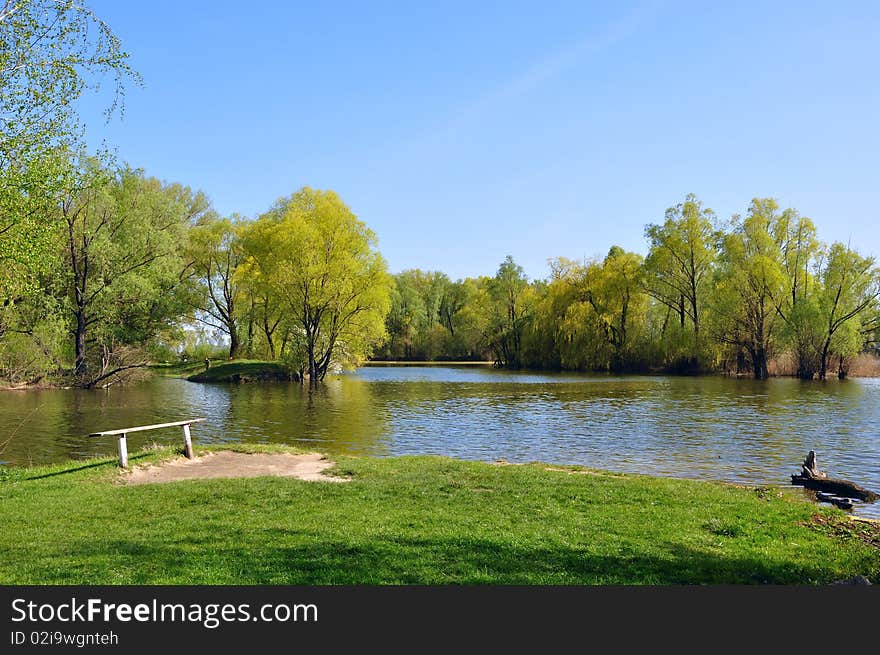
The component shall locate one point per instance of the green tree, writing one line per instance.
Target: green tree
(121, 238)
(51, 51)
(216, 254)
(800, 251)
(614, 291)
(321, 263)
(266, 308)
(406, 318)
(751, 276)
(473, 322)
(513, 304)
(679, 264)
(850, 289)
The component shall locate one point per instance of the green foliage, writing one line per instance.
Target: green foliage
(678, 269)
(750, 278)
(848, 301)
(512, 306)
(122, 237)
(215, 252)
(51, 51)
(117, 281)
(319, 264)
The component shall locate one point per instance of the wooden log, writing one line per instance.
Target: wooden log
(810, 468)
(812, 478)
(842, 503)
(837, 487)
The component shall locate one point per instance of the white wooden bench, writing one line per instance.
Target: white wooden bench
(123, 447)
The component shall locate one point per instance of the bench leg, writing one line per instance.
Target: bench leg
(123, 451)
(187, 442)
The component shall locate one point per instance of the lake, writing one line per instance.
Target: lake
(697, 427)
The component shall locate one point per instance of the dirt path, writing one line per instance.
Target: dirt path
(227, 464)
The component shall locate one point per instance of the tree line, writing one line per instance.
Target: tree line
(708, 296)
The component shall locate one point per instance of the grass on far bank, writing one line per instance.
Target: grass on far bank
(417, 520)
(224, 370)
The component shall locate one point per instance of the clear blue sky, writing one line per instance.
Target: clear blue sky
(465, 131)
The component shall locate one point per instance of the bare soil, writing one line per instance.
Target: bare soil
(227, 464)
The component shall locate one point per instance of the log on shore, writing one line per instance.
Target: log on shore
(812, 478)
(837, 501)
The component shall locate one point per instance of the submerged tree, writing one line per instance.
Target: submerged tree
(797, 302)
(679, 265)
(321, 264)
(513, 304)
(751, 276)
(849, 295)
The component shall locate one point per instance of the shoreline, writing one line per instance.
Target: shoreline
(251, 373)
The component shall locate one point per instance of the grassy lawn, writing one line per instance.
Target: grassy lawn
(424, 520)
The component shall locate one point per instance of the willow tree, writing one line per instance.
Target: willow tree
(513, 304)
(216, 253)
(679, 264)
(321, 264)
(798, 304)
(750, 277)
(849, 295)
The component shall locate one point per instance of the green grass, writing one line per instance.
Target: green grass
(421, 520)
(240, 370)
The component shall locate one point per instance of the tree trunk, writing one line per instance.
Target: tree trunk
(80, 366)
(234, 344)
(250, 337)
(313, 367)
(759, 363)
(841, 368)
(823, 368)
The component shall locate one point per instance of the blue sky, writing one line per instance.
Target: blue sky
(462, 132)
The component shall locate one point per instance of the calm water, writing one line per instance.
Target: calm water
(716, 428)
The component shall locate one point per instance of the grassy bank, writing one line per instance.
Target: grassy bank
(417, 520)
(241, 370)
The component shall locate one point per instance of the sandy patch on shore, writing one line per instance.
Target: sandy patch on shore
(228, 464)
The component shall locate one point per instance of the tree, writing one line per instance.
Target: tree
(679, 263)
(850, 289)
(51, 51)
(406, 317)
(750, 277)
(513, 306)
(121, 237)
(473, 322)
(614, 291)
(216, 253)
(321, 263)
(800, 250)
